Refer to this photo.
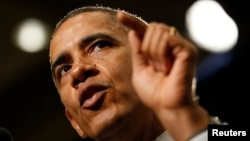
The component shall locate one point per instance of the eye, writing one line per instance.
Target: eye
(64, 69)
(99, 45)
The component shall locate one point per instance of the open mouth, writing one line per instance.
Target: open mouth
(92, 97)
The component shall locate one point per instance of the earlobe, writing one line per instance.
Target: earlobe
(74, 124)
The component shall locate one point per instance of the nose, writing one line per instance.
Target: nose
(80, 73)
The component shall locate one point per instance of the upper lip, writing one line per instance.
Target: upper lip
(88, 91)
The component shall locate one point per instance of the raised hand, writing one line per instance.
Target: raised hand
(164, 65)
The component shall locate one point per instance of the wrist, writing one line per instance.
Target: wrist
(185, 122)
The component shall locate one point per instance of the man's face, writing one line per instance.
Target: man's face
(91, 65)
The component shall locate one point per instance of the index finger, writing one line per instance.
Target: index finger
(132, 22)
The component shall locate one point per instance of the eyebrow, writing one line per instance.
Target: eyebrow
(84, 42)
(93, 37)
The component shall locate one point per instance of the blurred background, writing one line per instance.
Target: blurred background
(30, 108)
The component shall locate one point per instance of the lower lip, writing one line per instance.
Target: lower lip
(92, 101)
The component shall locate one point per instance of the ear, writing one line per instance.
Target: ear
(74, 124)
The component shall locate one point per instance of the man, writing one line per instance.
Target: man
(121, 79)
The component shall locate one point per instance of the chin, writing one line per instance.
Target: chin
(109, 122)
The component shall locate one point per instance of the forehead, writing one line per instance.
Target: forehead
(86, 20)
(92, 16)
(83, 25)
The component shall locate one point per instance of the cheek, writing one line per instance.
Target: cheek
(68, 99)
(121, 69)
(120, 73)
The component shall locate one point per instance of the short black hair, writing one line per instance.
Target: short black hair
(83, 10)
(105, 9)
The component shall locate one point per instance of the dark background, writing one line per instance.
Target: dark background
(29, 104)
